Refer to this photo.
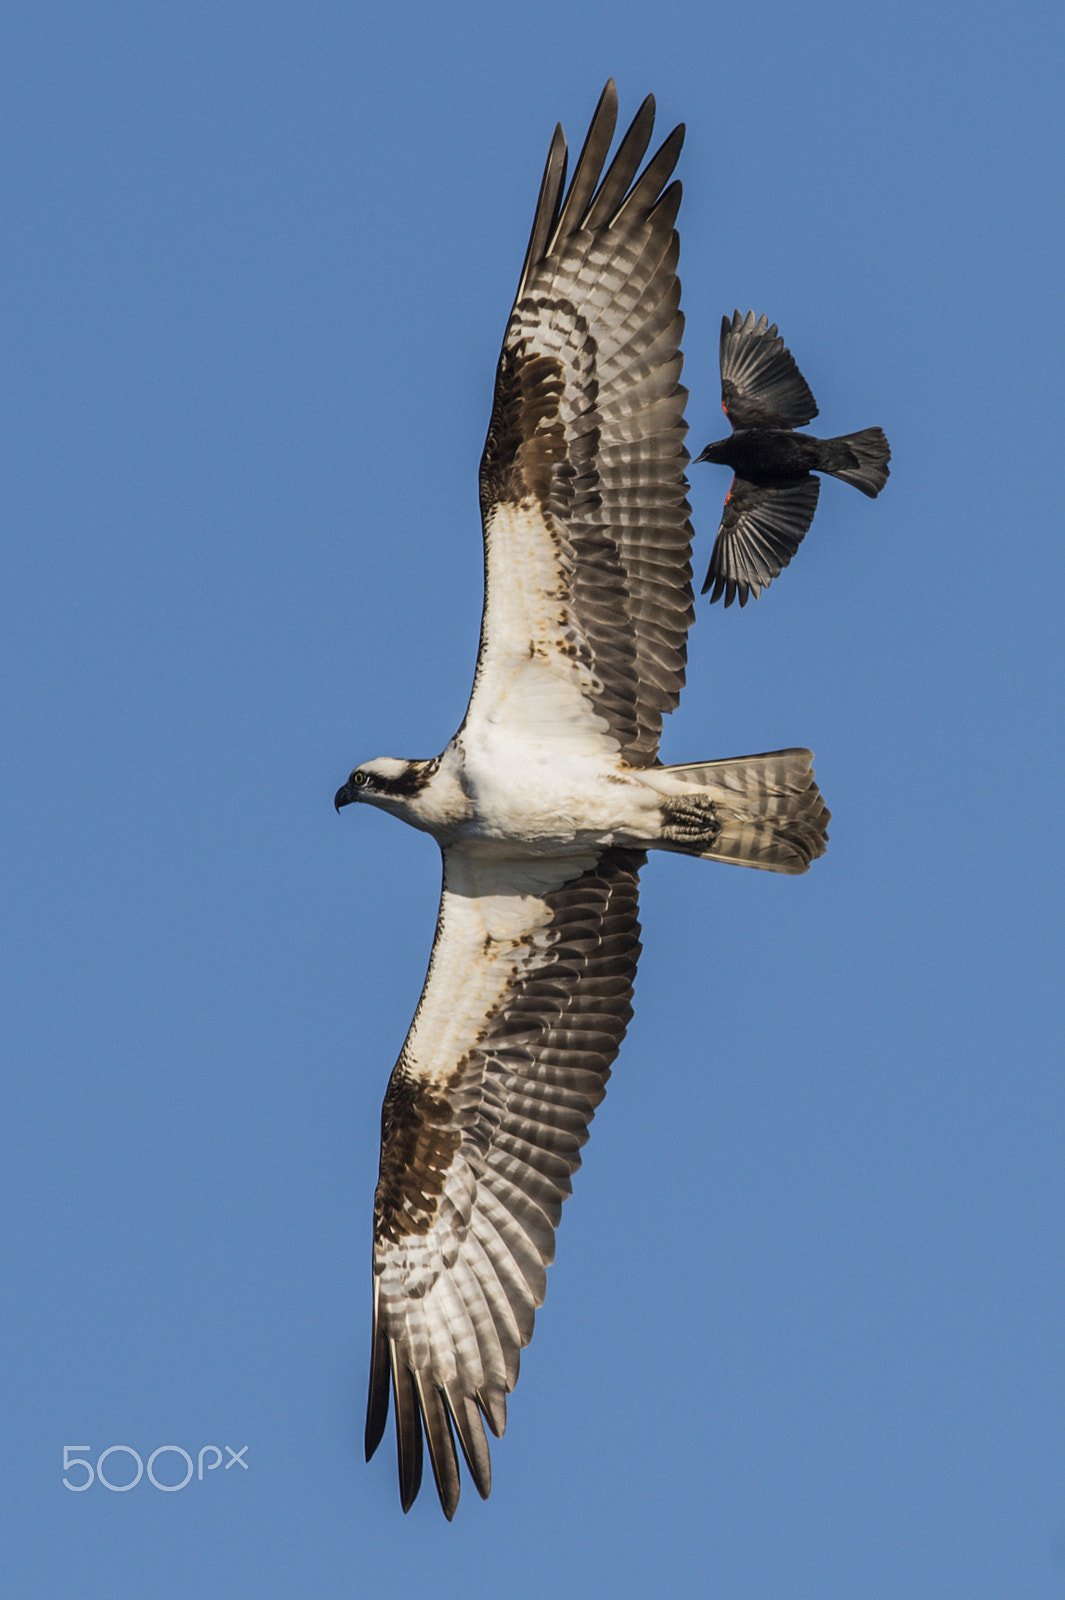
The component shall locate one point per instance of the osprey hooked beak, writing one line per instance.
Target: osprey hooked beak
(345, 795)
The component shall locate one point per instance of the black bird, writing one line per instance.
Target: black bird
(774, 496)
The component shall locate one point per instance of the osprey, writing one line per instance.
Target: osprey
(546, 802)
(773, 496)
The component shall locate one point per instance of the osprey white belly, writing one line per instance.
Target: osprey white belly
(544, 799)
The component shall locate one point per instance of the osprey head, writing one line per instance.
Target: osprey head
(382, 780)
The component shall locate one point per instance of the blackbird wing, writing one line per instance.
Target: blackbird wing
(761, 387)
(761, 529)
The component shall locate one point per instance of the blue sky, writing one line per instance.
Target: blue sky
(804, 1335)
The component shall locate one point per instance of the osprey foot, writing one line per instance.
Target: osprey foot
(690, 824)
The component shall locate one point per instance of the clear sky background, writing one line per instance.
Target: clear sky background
(805, 1335)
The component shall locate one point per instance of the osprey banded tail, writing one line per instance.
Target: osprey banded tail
(546, 801)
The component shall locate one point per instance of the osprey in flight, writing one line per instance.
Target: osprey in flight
(774, 494)
(546, 802)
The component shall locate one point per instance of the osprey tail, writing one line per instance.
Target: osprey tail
(858, 458)
(756, 811)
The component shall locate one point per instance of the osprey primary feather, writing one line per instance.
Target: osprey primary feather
(546, 801)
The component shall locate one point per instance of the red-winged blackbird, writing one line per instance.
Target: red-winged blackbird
(773, 496)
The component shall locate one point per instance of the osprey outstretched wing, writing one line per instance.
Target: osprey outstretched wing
(546, 801)
(582, 478)
(527, 1000)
